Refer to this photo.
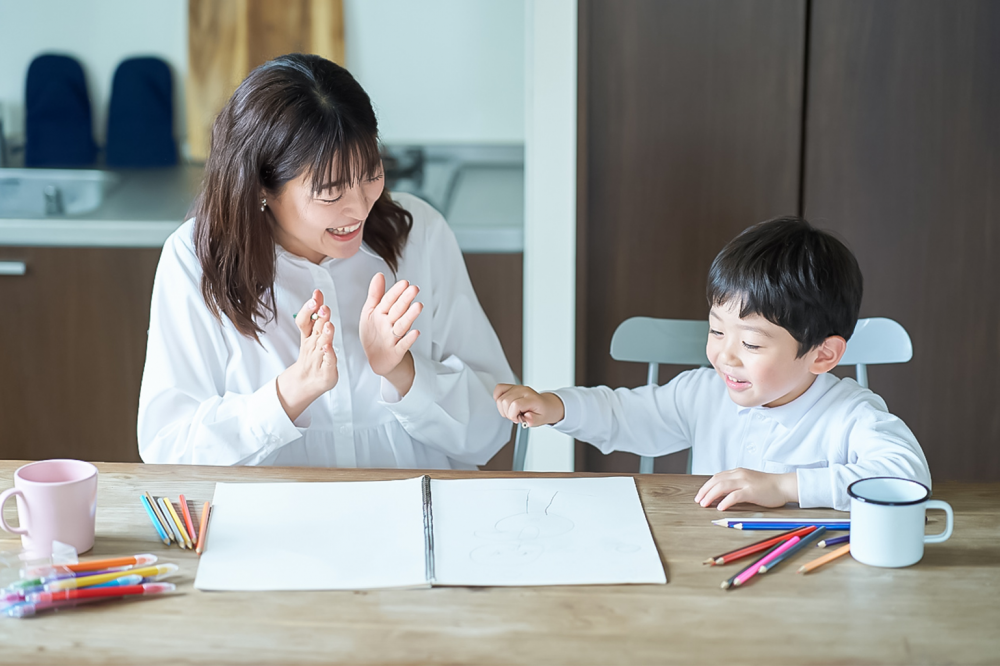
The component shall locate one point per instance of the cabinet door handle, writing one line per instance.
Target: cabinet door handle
(13, 268)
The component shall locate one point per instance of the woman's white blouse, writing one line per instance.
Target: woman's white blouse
(208, 393)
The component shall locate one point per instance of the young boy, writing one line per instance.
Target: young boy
(784, 300)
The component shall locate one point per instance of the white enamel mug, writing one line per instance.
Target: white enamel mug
(887, 521)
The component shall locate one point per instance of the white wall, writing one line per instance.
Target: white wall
(550, 216)
(98, 33)
(440, 71)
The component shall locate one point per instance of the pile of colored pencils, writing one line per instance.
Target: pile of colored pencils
(773, 551)
(69, 585)
(174, 527)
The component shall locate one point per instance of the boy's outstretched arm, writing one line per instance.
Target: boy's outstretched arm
(746, 485)
(522, 404)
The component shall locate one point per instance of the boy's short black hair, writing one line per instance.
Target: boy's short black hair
(792, 274)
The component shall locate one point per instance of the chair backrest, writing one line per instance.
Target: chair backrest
(141, 115)
(656, 341)
(57, 112)
(876, 340)
(653, 341)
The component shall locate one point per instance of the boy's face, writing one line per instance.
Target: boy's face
(756, 358)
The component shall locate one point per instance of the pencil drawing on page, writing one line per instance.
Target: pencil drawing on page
(517, 539)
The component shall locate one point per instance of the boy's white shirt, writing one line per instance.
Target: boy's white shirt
(208, 393)
(834, 433)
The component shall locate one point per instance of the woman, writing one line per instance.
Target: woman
(272, 338)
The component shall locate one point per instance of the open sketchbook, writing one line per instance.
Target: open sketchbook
(420, 532)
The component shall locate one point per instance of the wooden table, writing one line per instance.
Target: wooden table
(946, 609)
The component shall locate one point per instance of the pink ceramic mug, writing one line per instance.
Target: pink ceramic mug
(56, 500)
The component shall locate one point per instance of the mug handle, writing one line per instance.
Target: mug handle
(949, 525)
(4, 496)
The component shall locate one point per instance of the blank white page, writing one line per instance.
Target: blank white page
(542, 532)
(314, 536)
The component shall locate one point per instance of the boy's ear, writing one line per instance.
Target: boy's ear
(828, 354)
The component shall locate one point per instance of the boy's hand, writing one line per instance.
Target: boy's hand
(744, 485)
(522, 404)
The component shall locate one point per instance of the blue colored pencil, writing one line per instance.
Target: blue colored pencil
(748, 527)
(803, 542)
(834, 541)
(728, 584)
(156, 523)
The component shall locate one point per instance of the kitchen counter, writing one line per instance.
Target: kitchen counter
(485, 204)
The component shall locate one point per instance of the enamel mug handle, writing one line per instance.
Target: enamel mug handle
(949, 525)
(4, 496)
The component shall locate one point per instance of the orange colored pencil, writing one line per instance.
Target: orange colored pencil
(820, 561)
(205, 511)
(759, 546)
(187, 520)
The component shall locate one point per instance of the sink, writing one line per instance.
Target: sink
(40, 193)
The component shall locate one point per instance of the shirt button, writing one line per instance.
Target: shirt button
(344, 430)
(752, 448)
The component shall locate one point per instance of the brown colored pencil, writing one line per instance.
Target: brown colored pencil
(829, 557)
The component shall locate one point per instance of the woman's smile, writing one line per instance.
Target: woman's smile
(345, 233)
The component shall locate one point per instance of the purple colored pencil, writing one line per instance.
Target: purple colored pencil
(834, 541)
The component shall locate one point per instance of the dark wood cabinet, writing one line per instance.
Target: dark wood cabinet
(877, 120)
(73, 341)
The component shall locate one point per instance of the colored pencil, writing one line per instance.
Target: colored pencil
(791, 522)
(834, 541)
(728, 584)
(757, 546)
(175, 522)
(170, 523)
(88, 581)
(747, 527)
(829, 557)
(180, 523)
(764, 561)
(156, 523)
(808, 539)
(206, 518)
(205, 510)
(187, 520)
(160, 517)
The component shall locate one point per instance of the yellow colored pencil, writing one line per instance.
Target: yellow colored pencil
(177, 521)
(89, 581)
(829, 557)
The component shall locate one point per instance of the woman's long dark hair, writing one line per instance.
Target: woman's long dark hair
(295, 114)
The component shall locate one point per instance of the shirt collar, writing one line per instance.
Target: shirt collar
(788, 415)
(282, 252)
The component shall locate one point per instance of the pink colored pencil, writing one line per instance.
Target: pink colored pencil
(749, 573)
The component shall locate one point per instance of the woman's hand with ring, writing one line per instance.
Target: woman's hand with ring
(315, 371)
(385, 331)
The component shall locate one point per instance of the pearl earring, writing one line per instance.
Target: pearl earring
(263, 204)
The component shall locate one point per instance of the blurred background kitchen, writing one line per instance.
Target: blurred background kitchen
(599, 151)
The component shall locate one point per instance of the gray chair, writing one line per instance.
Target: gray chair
(682, 342)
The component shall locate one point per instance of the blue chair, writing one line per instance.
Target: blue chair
(141, 115)
(682, 342)
(58, 125)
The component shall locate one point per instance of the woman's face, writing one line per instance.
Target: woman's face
(329, 223)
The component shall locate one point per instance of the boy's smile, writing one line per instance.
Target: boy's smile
(757, 359)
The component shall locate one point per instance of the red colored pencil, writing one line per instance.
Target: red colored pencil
(187, 520)
(759, 546)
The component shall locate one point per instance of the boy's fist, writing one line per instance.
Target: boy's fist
(524, 405)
